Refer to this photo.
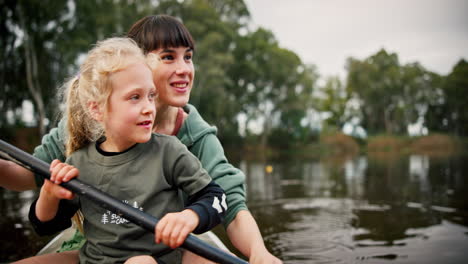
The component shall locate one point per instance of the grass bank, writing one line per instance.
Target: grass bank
(341, 145)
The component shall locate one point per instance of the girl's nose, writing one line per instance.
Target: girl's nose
(149, 107)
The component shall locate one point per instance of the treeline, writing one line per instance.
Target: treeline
(246, 84)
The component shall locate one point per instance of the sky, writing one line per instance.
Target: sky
(327, 32)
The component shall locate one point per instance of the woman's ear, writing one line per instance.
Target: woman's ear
(95, 111)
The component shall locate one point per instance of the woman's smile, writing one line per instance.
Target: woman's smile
(180, 86)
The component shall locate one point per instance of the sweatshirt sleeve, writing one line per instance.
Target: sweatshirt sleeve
(61, 221)
(210, 152)
(52, 147)
(210, 205)
(205, 197)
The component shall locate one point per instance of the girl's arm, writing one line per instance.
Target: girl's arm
(206, 210)
(210, 152)
(43, 212)
(207, 199)
(210, 205)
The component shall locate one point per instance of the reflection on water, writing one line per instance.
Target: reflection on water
(376, 209)
(379, 209)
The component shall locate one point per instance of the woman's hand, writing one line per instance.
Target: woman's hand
(52, 193)
(263, 257)
(174, 228)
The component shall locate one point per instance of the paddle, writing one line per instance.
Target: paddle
(144, 220)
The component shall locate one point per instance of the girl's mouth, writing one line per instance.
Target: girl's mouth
(146, 123)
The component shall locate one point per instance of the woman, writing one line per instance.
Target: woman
(170, 40)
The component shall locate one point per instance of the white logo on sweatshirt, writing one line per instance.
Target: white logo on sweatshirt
(217, 205)
(110, 218)
(223, 202)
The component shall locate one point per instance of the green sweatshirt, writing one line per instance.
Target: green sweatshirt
(199, 137)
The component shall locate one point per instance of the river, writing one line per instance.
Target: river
(367, 209)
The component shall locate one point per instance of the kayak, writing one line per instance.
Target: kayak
(55, 244)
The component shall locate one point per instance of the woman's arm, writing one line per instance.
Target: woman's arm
(14, 177)
(17, 178)
(245, 235)
(240, 225)
(52, 147)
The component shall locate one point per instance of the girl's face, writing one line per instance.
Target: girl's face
(130, 114)
(174, 75)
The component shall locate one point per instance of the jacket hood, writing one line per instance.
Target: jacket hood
(194, 127)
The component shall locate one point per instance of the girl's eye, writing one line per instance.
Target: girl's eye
(152, 96)
(134, 97)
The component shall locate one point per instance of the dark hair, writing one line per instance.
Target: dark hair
(160, 31)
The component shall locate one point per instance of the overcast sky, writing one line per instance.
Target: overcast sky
(326, 32)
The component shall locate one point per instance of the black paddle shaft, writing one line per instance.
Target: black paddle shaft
(142, 219)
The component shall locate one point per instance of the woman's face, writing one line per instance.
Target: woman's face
(173, 77)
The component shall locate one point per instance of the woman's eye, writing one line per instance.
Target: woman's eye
(188, 57)
(167, 57)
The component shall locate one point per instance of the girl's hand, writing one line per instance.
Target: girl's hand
(174, 228)
(59, 172)
(51, 193)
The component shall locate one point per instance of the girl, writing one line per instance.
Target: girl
(110, 112)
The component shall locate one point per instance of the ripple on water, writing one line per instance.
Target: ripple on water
(319, 232)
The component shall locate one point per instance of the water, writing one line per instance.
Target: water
(380, 209)
(377, 209)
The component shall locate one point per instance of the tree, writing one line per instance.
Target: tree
(375, 81)
(391, 95)
(41, 43)
(271, 84)
(27, 40)
(334, 101)
(449, 113)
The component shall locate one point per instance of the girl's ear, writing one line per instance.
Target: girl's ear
(95, 111)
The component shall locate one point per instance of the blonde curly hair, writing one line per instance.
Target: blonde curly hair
(92, 85)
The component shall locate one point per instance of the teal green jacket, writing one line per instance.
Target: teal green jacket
(200, 139)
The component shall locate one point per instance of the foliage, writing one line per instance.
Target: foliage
(392, 96)
(333, 101)
(240, 72)
(41, 43)
(450, 112)
(271, 84)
